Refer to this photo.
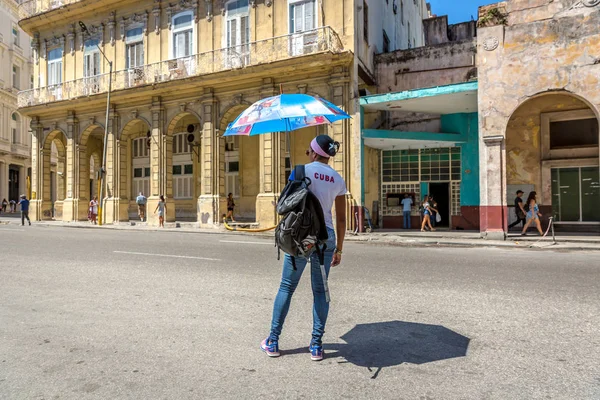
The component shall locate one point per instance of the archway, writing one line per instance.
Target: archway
(134, 169)
(54, 188)
(183, 164)
(552, 149)
(241, 166)
(90, 161)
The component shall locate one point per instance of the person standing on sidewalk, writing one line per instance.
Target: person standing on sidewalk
(4, 205)
(230, 207)
(141, 201)
(24, 203)
(407, 207)
(161, 207)
(94, 210)
(519, 210)
(329, 187)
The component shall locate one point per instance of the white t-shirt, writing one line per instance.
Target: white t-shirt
(326, 184)
(407, 203)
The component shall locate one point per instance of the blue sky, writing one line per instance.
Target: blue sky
(458, 10)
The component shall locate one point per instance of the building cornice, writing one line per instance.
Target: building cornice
(12, 6)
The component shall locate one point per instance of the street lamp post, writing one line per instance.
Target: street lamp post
(103, 168)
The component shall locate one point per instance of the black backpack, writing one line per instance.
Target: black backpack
(302, 230)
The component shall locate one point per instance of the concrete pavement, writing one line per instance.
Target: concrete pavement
(440, 238)
(99, 313)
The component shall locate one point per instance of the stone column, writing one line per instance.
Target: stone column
(272, 168)
(71, 201)
(115, 210)
(493, 208)
(212, 202)
(35, 209)
(160, 178)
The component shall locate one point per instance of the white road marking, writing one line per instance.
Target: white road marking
(166, 255)
(244, 242)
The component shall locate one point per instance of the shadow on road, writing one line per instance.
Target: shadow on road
(385, 344)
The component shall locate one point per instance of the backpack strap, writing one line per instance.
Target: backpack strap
(299, 173)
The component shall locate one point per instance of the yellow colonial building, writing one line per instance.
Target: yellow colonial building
(184, 70)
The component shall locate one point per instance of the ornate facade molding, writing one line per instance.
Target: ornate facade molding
(181, 5)
(94, 32)
(111, 23)
(126, 22)
(35, 47)
(156, 14)
(209, 10)
(71, 39)
(56, 41)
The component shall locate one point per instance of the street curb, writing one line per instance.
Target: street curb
(404, 242)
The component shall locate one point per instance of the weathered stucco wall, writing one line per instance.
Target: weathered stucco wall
(437, 31)
(538, 46)
(444, 64)
(523, 138)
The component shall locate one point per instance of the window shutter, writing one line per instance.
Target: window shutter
(309, 16)
(245, 30)
(298, 17)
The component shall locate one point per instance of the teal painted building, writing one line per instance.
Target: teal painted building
(443, 163)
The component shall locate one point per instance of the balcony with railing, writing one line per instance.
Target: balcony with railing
(279, 48)
(31, 8)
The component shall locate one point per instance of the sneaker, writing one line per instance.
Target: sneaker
(270, 347)
(316, 352)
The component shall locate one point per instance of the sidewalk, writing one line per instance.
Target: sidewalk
(414, 238)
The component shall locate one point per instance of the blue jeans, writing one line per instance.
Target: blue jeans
(289, 282)
(406, 219)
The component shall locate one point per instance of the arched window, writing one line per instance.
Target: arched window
(182, 40)
(15, 126)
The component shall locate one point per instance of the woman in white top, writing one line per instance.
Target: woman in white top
(93, 210)
(329, 187)
(161, 207)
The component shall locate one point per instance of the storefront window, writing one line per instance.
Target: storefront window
(576, 194)
(425, 165)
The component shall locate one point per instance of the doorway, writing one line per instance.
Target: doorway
(13, 184)
(440, 191)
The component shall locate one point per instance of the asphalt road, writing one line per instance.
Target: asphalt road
(105, 314)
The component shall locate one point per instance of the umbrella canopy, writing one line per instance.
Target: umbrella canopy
(284, 113)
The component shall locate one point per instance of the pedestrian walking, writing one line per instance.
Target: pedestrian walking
(161, 207)
(230, 207)
(520, 212)
(407, 203)
(13, 206)
(427, 210)
(434, 213)
(93, 210)
(24, 203)
(533, 214)
(329, 188)
(4, 205)
(141, 201)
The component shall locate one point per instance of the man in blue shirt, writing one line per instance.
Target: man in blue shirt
(407, 206)
(141, 201)
(24, 203)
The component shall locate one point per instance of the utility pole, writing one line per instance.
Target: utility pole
(103, 168)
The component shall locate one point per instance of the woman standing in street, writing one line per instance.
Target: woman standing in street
(161, 207)
(329, 187)
(533, 214)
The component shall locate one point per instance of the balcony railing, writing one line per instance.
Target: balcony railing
(279, 48)
(30, 8)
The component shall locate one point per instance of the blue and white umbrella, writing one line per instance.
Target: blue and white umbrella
(284, 113)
